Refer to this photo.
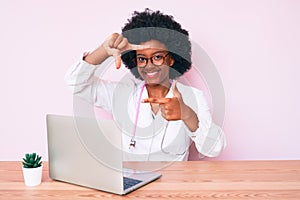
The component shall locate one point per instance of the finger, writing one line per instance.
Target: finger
(118, 60)
(137, 47)
(175, 90)
(156, 100)
(112, 38)
(118, 40)
(167, 116)
(122, 45)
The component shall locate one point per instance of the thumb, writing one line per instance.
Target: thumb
(175, 90)
(118, 60)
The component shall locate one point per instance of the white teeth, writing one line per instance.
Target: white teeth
(151, 73)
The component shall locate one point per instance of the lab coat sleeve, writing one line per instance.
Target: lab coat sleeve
(81, 79)
(209, 138)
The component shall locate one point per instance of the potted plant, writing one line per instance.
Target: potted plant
(32, 169)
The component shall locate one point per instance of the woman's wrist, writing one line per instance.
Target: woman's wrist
(190, 118)
(97, 56)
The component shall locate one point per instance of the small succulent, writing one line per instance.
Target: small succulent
(32, 160)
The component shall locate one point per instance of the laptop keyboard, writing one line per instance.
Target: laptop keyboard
(129, 182)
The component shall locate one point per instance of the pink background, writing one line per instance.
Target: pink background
(254, 45)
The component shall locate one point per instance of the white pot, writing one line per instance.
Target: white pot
(32, 176)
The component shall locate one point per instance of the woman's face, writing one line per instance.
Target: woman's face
(154, 62)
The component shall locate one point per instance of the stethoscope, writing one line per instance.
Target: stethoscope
(132, 142)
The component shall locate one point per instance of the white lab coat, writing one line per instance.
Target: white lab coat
(156, 139)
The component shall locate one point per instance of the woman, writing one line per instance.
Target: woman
(158, 115)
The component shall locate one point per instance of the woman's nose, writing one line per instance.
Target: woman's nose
(150, 65)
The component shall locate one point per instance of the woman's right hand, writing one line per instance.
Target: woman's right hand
(114, 45)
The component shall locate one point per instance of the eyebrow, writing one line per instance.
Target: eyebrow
(162, 51)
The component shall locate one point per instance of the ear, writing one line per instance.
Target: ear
(171, 61)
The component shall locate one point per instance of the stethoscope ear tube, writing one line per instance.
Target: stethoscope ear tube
(167, 152)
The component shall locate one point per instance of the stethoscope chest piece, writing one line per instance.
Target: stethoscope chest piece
(132, 144)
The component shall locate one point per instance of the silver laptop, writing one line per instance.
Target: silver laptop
(88, 152)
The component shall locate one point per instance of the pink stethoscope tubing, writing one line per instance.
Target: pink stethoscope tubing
(132, 141)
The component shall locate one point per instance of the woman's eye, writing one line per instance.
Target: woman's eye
(157, 57)
(141, 59)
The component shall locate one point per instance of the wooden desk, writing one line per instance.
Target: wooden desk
(181, 180)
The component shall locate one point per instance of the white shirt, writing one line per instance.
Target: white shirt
(156, 139)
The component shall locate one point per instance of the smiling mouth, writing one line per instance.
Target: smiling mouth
(151, 74)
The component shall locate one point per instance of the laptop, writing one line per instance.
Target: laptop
(88, 152)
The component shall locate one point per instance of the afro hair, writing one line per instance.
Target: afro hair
(149, 25)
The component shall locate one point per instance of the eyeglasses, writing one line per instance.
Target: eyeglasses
(157, 60)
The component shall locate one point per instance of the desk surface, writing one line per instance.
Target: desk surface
(180, 180)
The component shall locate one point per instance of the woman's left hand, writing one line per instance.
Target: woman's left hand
(172, 108)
